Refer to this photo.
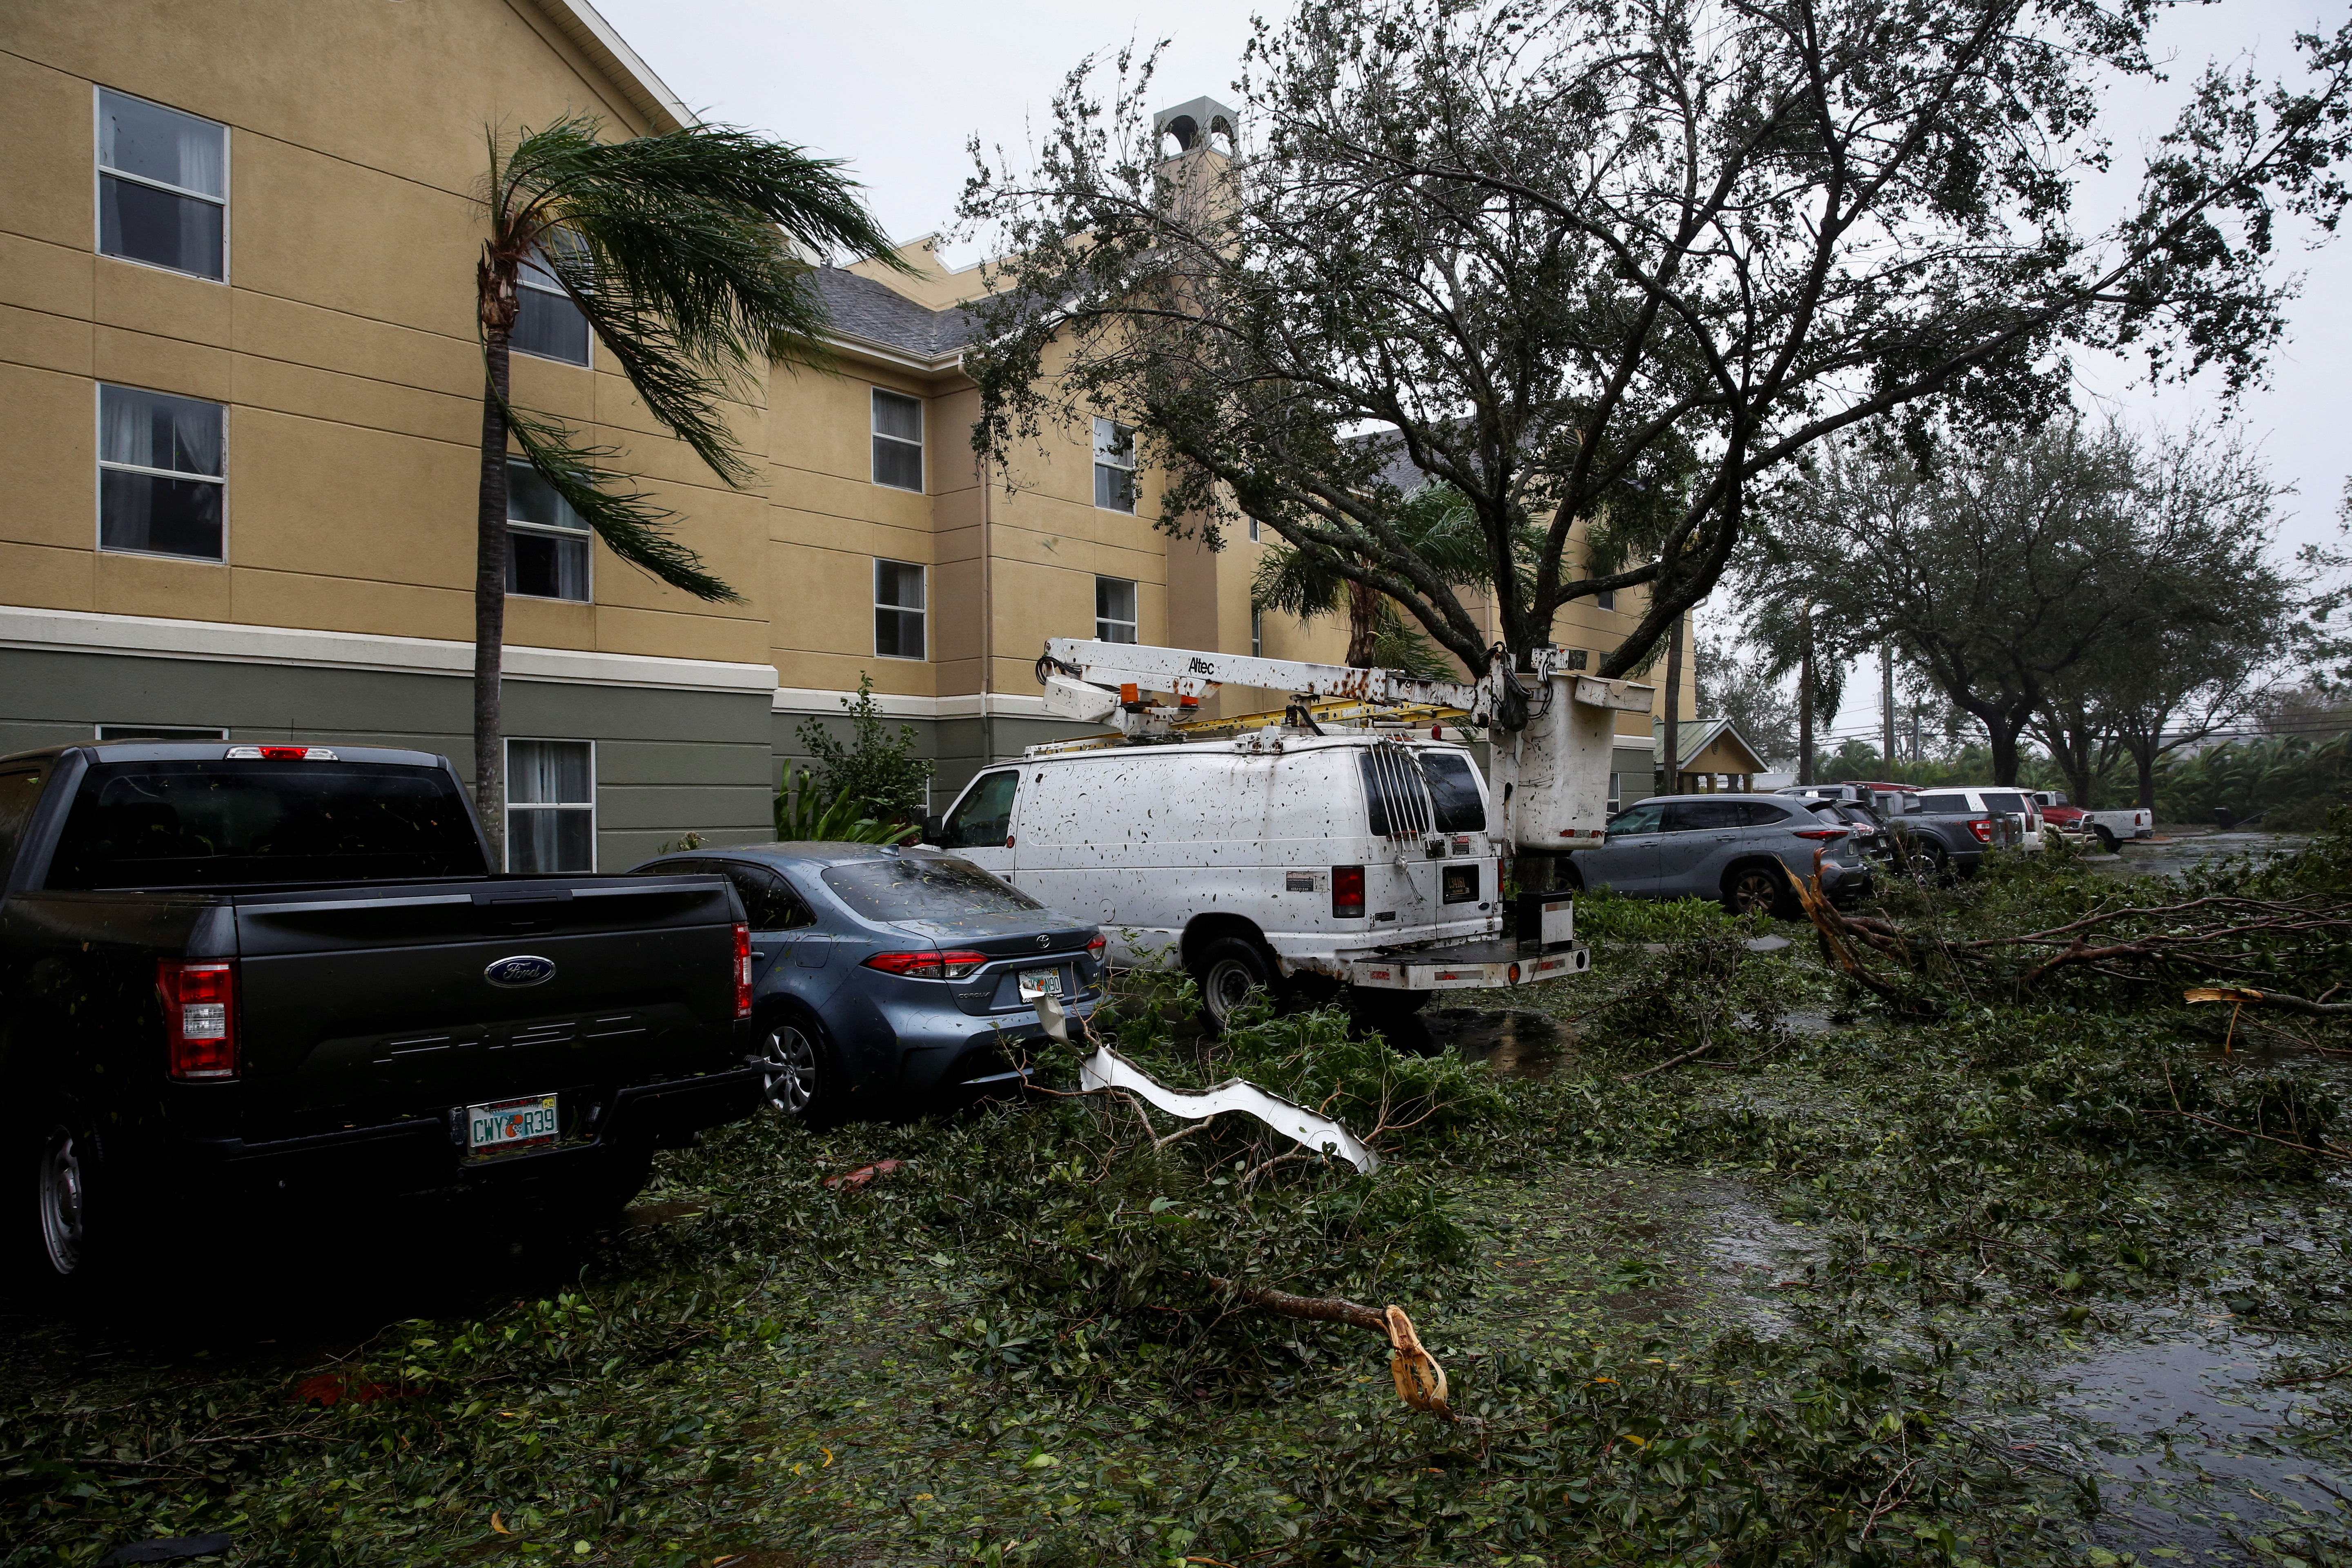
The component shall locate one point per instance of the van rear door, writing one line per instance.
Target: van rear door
(1402, 883)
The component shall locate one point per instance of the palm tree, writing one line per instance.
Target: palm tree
(1440, 527)
(688, 253)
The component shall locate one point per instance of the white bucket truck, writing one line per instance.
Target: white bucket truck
(1348, 843)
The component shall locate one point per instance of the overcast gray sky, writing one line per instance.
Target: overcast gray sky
(898, 89)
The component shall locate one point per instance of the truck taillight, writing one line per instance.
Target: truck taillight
(1982, 828)
(1348, 893)
(742, 970)
(199, 1018)
(281, 754)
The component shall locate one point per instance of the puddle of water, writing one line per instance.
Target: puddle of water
(2199, 1454)
(2179, 851)
(1511, 1041)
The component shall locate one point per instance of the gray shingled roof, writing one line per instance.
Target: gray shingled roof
(862, 308)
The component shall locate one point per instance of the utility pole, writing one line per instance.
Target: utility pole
(1805, 696)
(1886, 702)
(1674, 707)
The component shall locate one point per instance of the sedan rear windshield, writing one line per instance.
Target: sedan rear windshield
(919, 888)
(210, 824)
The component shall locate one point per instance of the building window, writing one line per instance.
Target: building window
(1257, 632)
(1615, 795)
(1254, 531)
(161, 473)
(547, 322)
(547, 542)
(551, 806)
(163, 187)
(1606, 598)
(897, 440)
(897, 609)
(160, 732)
(1114, 610)
(1114, 466)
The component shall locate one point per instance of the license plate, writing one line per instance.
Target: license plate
(510, 1123)
(1037, 982)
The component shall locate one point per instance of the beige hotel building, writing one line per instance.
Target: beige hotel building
(240, 402)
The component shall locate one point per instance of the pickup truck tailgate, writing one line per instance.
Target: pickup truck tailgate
(398, 999)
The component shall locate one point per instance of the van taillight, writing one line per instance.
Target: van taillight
(199, 1018)
(1348, 893)
(742, 970)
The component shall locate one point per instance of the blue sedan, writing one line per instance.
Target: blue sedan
(882, 975)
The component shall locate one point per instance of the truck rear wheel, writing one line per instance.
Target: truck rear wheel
(2106, 837)
(75, 1240)
(1228, 970)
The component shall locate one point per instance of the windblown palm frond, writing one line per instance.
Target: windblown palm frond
(1439, 526)
(688, 253)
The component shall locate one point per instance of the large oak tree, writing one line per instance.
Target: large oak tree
(1604, 268)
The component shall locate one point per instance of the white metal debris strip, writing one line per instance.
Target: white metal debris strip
(1108, 1069)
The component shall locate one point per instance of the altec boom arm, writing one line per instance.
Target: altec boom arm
(1554, 728)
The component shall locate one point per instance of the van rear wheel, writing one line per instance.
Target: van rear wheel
(1228, 970)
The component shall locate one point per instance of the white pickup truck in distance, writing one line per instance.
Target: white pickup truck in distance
(1356, 859)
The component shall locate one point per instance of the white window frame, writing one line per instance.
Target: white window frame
(512, 806)
(1135, 603)
(1134, 486)
(98, 481)
(1257, 631)
(873, 430)
(1254, 531)
(875, 593)
(99, 172)
(585, 535)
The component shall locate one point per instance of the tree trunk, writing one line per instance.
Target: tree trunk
(1675, 707)
(1805, 697)
(2144, 760)
(1363, 624)
(490, 605)
(2003, 733)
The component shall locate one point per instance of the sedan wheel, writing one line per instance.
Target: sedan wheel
(788, 1068)
(64, 1202)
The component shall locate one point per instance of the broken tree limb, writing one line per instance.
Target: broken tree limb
(1420, 1381)
(2279, 999)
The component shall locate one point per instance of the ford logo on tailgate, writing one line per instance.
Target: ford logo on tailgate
(522, 969)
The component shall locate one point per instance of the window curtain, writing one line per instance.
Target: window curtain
(163, 144)
(154, 431)
(548, 773)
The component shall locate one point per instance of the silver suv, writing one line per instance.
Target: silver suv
(1741, 848)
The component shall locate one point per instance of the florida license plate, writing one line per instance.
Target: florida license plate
(510, 1123)
(1037, 982)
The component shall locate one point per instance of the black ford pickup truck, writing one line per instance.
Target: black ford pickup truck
(227, 969)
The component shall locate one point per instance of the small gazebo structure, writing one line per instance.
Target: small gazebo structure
(1715, 756)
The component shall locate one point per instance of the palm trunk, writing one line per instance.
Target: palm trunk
(490, 606)
(1675, 707)
(1363, 624)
